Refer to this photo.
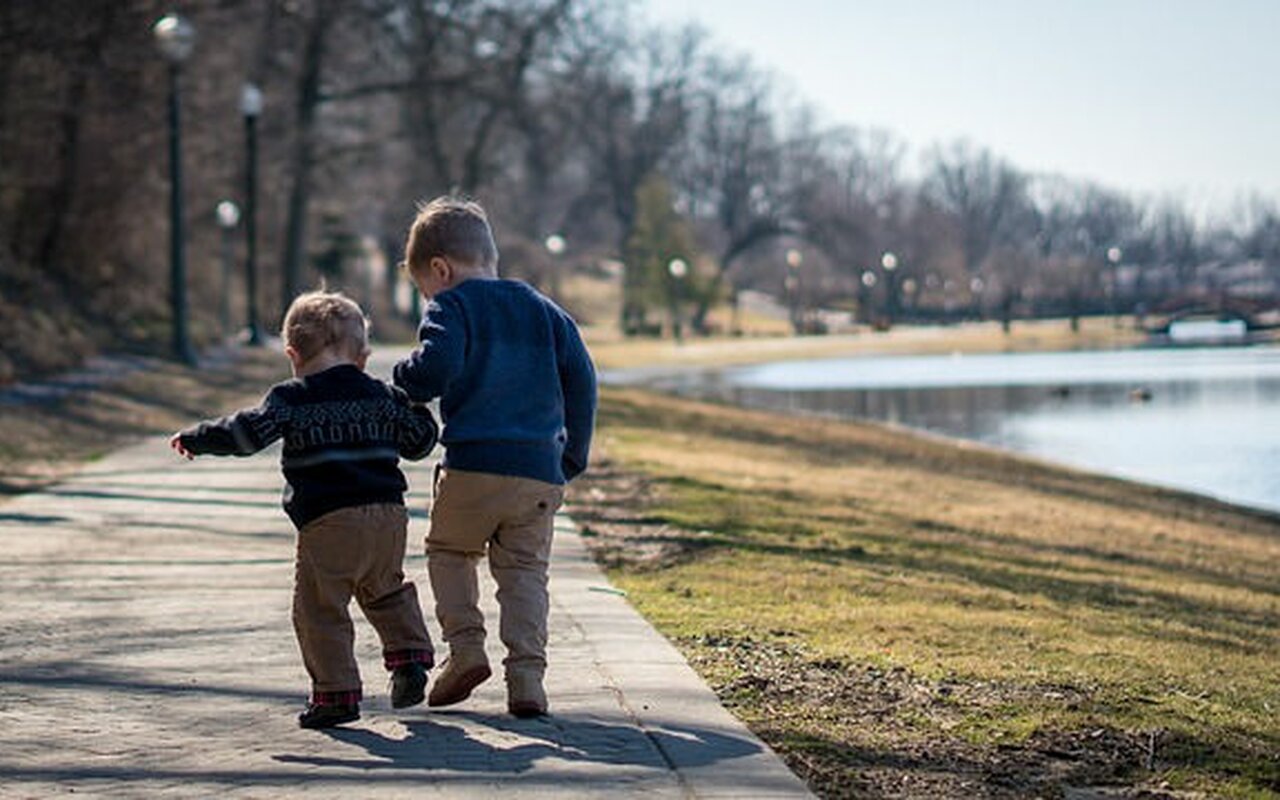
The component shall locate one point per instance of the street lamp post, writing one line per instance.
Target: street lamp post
(890, 263)
(976, 287)
(792, 283)
(175, 37)
(677, 269)
(1114, 254)
(228, 214)
(911, 300)
(555, 245)
(867, 283)
(251, 107)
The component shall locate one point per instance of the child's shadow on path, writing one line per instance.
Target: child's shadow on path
(517, 745)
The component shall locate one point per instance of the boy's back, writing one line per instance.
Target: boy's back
(515, 382)
(517, 398)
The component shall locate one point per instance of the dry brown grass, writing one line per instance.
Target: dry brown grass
(959, 612)
(39, 442)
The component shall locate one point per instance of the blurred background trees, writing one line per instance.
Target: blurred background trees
(571, 120)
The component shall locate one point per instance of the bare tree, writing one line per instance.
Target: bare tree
(468, 68)
(555, 113)
(982, 192)
(547, 163)
(1176, 242)
(731, 169)
(318, 27)
(1079, 230)
(1260, 235)
(854, 206)
(986, 197)
(633, 113)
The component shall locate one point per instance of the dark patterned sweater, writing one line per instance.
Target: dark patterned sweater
(343, 432)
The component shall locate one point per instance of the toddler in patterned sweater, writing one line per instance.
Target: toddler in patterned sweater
(343, 432)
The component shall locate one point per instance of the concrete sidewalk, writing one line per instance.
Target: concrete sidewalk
(146, 650)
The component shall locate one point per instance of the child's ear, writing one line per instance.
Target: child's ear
(442, 268)
(292, 353)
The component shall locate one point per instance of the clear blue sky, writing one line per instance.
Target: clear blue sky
(1151, 97)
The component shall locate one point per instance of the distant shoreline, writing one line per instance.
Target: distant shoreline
(613, 352)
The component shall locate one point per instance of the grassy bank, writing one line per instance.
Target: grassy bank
(45, 437)
(901, 616)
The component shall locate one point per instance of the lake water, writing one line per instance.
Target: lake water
(1202, 419)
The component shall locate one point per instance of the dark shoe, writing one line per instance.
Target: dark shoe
(526, 709)
(408, 685)
(463, 671)
(327, 716)
(525, 696)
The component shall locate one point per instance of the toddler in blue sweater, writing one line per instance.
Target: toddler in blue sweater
(517, 396)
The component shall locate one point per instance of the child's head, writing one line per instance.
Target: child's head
(325, 327)
(450, 241)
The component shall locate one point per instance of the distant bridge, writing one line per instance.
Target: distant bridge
(1256, 313)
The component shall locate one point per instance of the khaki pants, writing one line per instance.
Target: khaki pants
(356, 551)
(510, 520)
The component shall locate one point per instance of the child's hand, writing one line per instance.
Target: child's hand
(176, 444)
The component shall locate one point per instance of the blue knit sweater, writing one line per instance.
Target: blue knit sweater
(517, 388)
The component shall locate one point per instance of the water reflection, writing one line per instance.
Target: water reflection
(1203, 420)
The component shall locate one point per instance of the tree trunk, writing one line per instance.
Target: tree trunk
(698, 322)
(303, 158)
(756, 234)
(68, 160)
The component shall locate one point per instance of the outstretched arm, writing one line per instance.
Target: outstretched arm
(240, 434)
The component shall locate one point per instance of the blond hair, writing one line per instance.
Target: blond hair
(319, 321)
(454, 228)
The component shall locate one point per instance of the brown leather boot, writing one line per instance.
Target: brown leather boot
(464, 670)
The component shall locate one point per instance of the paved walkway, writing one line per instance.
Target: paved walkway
(146, 650)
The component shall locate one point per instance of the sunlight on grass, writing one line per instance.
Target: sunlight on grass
(1022, 601)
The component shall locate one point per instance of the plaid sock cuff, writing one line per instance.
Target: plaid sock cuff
(348, 698)
(398, 658)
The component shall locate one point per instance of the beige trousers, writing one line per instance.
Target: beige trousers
(356, 551)
(510, 520)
